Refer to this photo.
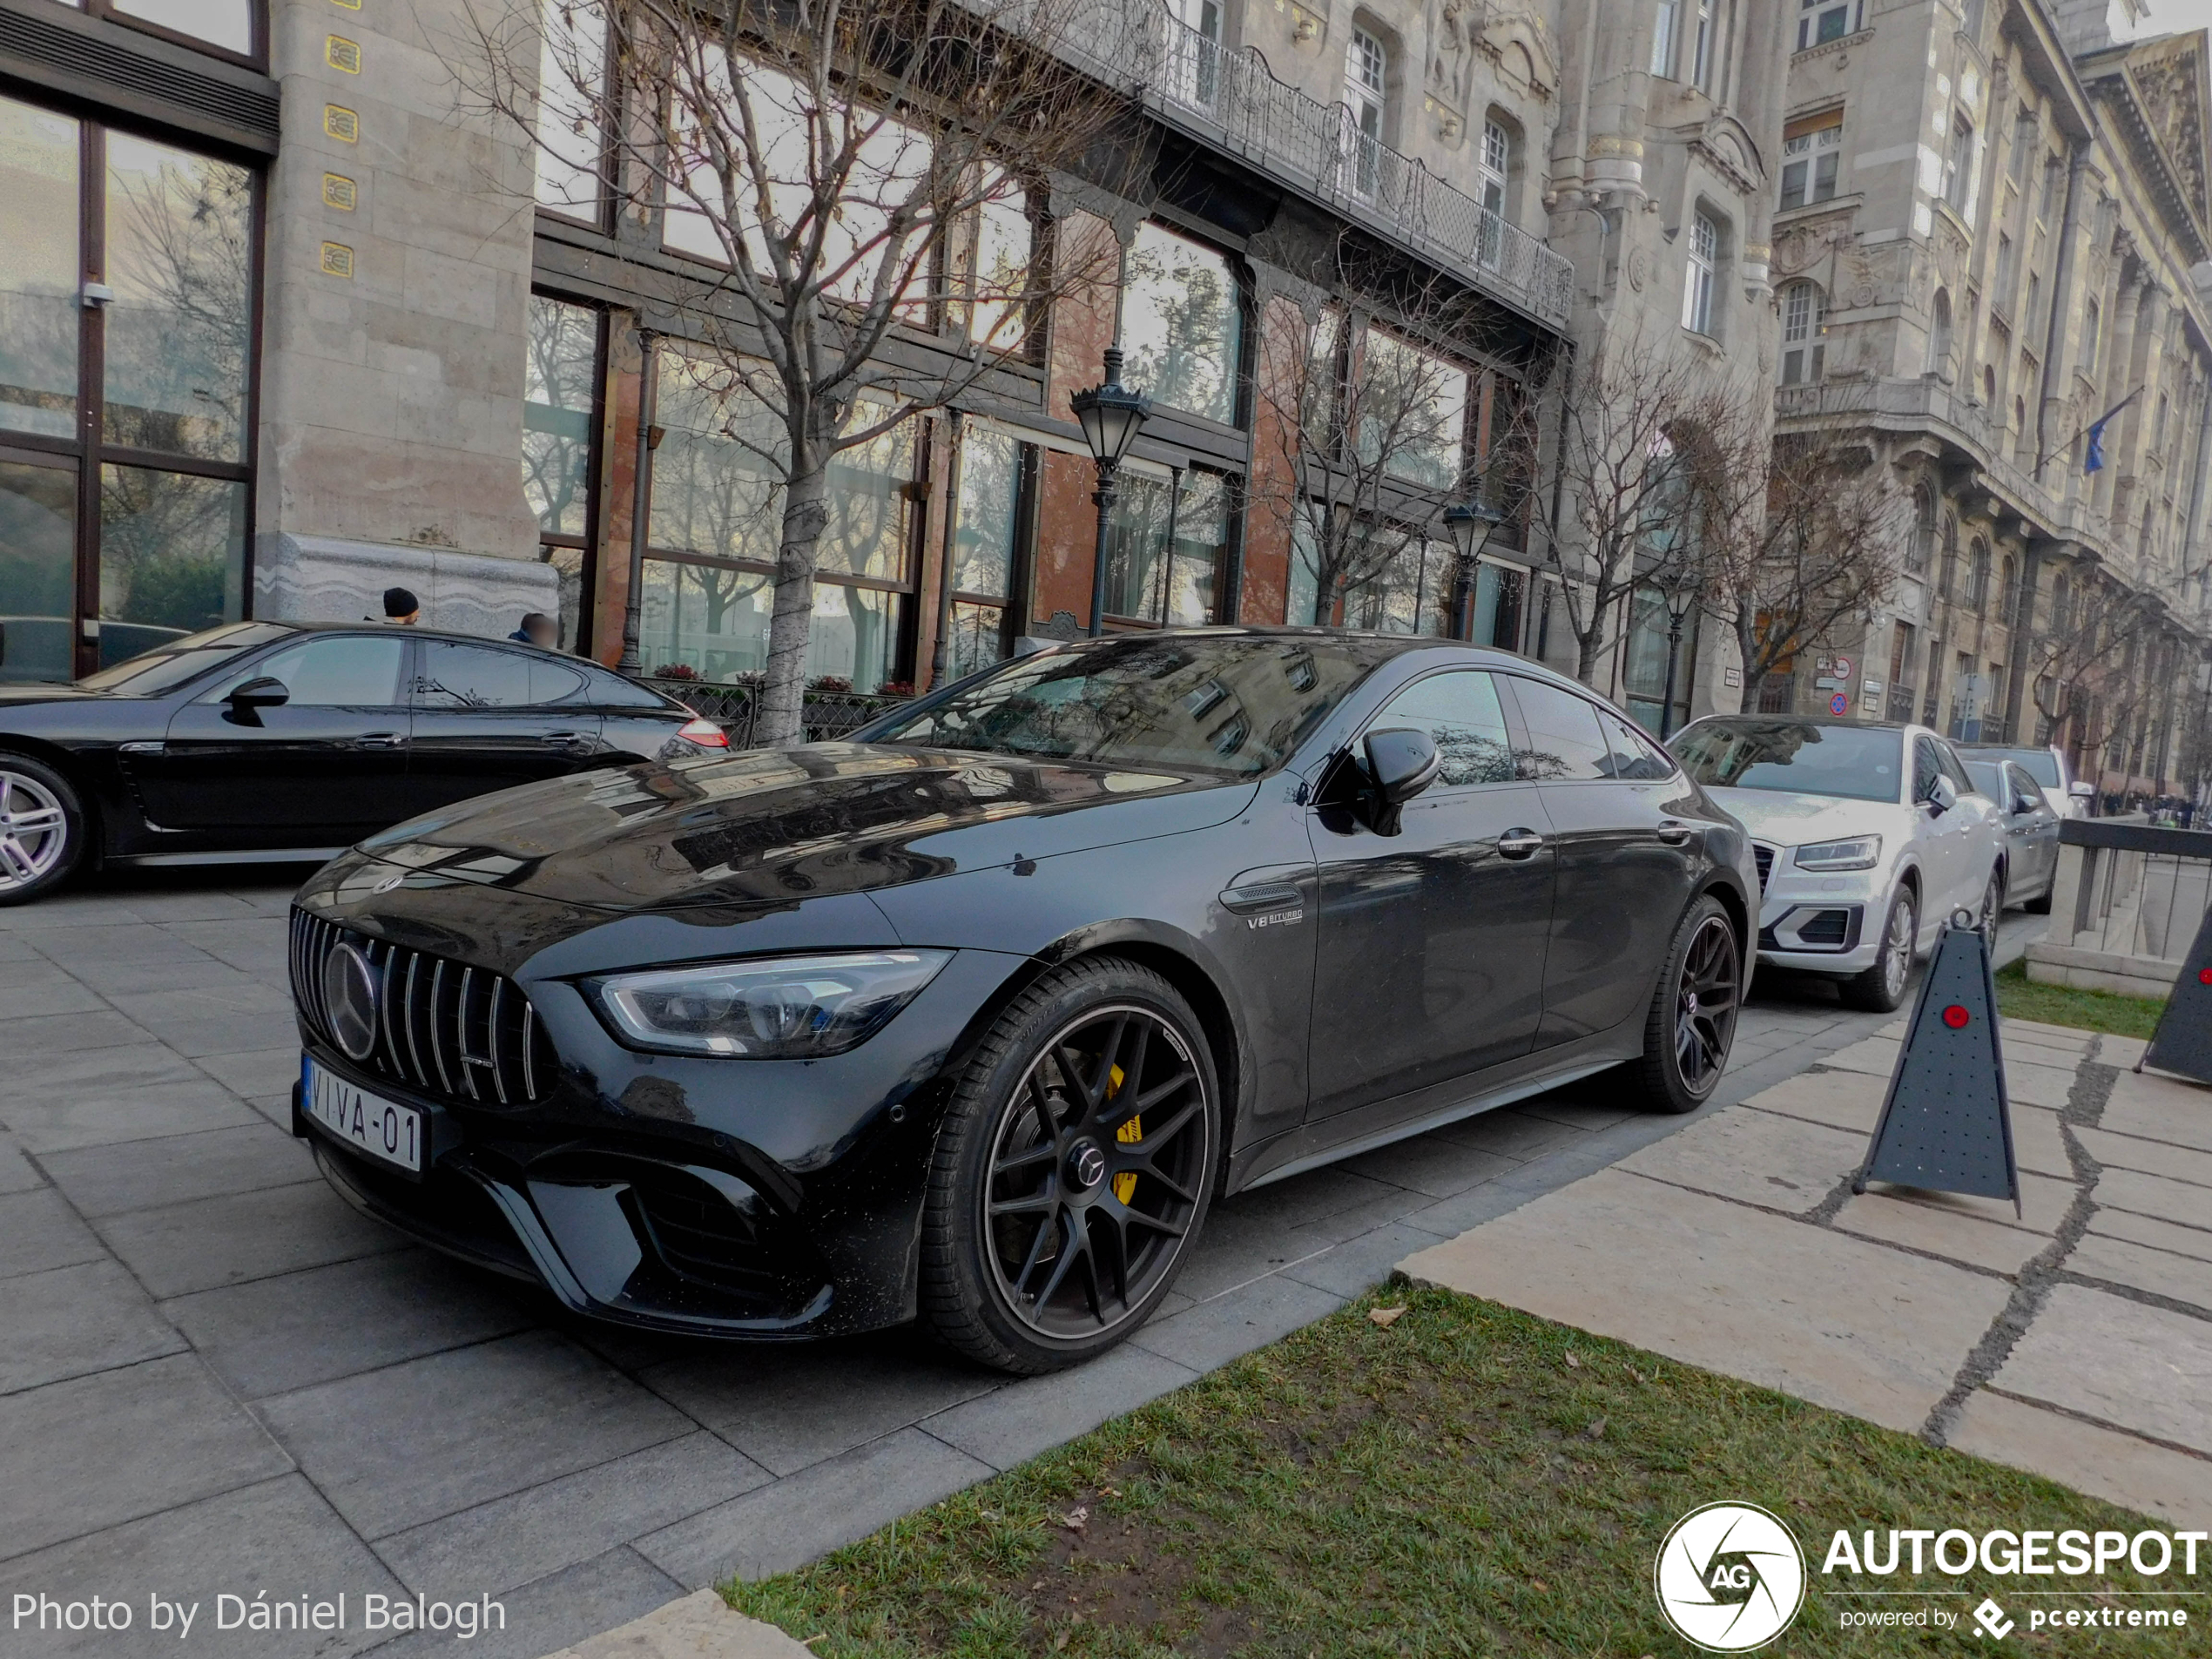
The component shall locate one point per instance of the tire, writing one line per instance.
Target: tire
(1692, 1023)
(2041, 905)
(1992, 914)
(1881, 988)
(43, 829)
(1046, 1237)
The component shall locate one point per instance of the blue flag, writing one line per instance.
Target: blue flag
(2094, 461)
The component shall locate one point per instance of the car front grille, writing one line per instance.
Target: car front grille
(465, 1034)
(1765, 856)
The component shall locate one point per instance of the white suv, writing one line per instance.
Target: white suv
(1867, 838)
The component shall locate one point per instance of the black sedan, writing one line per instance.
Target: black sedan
(972, 1018)
(269, 739)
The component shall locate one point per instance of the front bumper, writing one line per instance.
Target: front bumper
(1811, 922)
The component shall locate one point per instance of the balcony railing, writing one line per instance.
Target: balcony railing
(1232, 101)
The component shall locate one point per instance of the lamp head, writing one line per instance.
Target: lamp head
(1110, 414)
(1471, 523)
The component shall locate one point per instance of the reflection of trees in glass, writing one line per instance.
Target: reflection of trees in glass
(558, 392)
(983, 535)
(171, 547)
(37, 554)
(181, 260)
(1181, 324)
(38, 270)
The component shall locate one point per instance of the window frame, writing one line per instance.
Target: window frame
(1701, 278)
(1803, 341)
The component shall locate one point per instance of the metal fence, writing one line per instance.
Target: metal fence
(1234, 101)
(826, 715)
(2141, 891)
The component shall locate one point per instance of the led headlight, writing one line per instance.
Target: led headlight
(787, 1008)
(1858, 854)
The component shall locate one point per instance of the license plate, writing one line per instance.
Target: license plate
(383, 1128)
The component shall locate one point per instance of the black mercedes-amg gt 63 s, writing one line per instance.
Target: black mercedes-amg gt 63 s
(972, 1018)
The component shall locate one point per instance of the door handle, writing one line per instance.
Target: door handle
(565, 739)
(1673, 831)
(1519, 844)
(380, 740)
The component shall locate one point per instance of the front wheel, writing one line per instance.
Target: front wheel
(41, 829)
(1881, 988)
(1072, 1172)
(1692, 1022)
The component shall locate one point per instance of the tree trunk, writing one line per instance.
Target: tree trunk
(1748, 698)
(783, 692)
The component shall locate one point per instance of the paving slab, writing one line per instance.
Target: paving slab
(1875, 1055)
(2160, 1109)
(1012, 1424)
(184, 1247)
(273, 1335)
(2071, 1038)
(1232, 1324)
(559, 1609)
(41, 991)
(160, 1434)
(39, 1230)
(2044, 1086)
(823, 1507)
(407, 1444)
(232, 1019)
(2118, 1152)
(2151, 1373)
(1440, 1169)
(1754, 1157)
(2122, 1051)
(2147, 1229)
(58, 1122)
(2121, 1261)
(1851, 1101)
(2154, 1195)
(1880, 1215)
(1831, 1319)
(2120, 1468)
(73, 1321)
(1357, 1265)
(521, 1538)
(276, 1535)
(32, 1078)
(16, 1174)
(814, 1402)
(701, 1626)
(105, 1181)
(25, 1039)
(2045, 1202)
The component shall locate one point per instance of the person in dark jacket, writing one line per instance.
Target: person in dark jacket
(538, 628)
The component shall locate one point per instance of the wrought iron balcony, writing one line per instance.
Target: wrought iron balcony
(1234, 103)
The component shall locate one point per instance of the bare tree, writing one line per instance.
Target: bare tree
(1803, 537)
(2073, 660)
(1627, 469)
(854, 178)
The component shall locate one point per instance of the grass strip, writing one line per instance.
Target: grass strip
(1468, 1480)
(2126, 1017)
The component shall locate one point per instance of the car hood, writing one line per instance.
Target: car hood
(772, 827)
(1782, 820)
(18, 697)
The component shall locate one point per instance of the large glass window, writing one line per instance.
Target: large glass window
(1804, 351)
(986, 538)
(1498, 591)
(228, 24)
(1182, 324)
(156, 418)
(571, 83)
(716, 520)
(1645, 675)
(1698, 278)
(1164, 546)
(560, 379)
(1810, 150)
(1412, 411)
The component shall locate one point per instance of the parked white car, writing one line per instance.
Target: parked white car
(2031, 828)
(1868, 838)
(2067, 797)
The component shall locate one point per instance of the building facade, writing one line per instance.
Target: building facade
(290, 319)
(1991, 233)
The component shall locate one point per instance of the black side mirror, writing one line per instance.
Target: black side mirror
(1942, 795)
(248, 697)
(1400, 764)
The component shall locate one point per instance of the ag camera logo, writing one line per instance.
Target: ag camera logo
(1730, 1577)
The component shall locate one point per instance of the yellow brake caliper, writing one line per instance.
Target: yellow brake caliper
(1129, 1135)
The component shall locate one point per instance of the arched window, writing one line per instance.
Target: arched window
(1989, 384)
(1939, 336)
(1947, 573)
(2092, 325)
(1498, 153)
(1978, 575)
(1804, 350)
(2062, 603)
(1924, 526)
(2008, 597)
(2019, 415)
(1366, 70)
(1700, 279)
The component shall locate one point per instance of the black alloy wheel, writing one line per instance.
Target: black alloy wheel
(1073, 1171)
(1692, 1022)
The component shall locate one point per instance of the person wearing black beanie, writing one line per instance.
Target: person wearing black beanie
(401, 607)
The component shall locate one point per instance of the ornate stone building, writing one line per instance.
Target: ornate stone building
(1991, 231)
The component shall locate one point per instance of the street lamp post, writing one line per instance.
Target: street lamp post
(1681, 598)
(1470, 524)
(1111, 415)
(641, 483)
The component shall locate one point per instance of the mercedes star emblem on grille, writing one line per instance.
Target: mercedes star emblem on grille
(349, 991)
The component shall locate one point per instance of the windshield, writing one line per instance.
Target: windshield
(150, 673)
(1232, 705)
(2039, 764)
(1854, 762)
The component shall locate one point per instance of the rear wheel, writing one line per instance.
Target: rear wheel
(1692, 1023)
(1992, 908)
(41, 828)
(1881, 988)
(1073, 1169)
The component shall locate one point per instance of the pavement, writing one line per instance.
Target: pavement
(215, 1377)
(2074, 1339)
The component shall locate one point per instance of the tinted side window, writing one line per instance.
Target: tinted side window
(1630, 755)
(1954, 770)
(1462, 715)
(612, 692)
(1564, 742)
(1924, 768)
(346, 670)
(474, 677)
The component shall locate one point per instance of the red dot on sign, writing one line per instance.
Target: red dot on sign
(1955, 1017)
(2204, 977)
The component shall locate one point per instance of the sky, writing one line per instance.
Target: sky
(2176, 16)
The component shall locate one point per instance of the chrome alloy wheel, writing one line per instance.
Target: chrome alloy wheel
(34, 830)
(1705, 1005)
(1095, 1173)
(1896, 945)
(1992, 905)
